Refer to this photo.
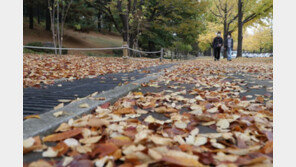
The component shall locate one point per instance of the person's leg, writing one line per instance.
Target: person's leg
(228, 54)
(215, 54)
(218, 53)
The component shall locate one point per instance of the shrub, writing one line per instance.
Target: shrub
(117, 52)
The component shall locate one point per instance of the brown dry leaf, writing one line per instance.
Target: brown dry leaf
(32, 116)
(63, 127)
(32, 144)
(40, 163)
(256, 162)
(213, 110)
(150, 119)
(180, 125)
(121, 111)
(120, 140)
(132, 148)
(104, 149)
(61, 105)
(223, 157)
(243, 151)
(164, 109)
(181, 158)
(196, 107)
(61, 148)
(62, 136)
(50, 153)
(154, 154)
(260, 99)
(67, 161)
(268, 148)
(71, 142)
(97, 122)
(84, 105)
(59, 113)
(83, 149)
(142, 135)
(223, 124)
(64, 100)
(28, 142)
(90, 140)
(160, 140)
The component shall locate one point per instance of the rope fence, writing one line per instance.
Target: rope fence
(82, 49)
(98, 49)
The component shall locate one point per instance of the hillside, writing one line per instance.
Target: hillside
(73, 39)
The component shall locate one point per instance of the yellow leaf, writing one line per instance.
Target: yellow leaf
(32, 116)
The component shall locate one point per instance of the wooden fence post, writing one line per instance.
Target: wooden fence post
(161, 55)
(125, 52)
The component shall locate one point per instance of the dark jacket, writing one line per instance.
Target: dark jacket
(217, 41)
(231, 44)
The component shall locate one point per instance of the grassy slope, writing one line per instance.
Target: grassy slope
(73, 38)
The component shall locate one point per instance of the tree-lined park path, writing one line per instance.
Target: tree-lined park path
(47, 96)
(200, 113)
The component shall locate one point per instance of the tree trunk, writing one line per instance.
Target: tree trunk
(58, 28)
(240, 29)
(38, 14)
(225, 38)
(131, 42)
(47, 20)
(99, 21)
(51, 5)
(31, 15)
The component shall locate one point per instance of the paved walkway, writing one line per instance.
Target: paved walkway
(38, 101)
(247, 80)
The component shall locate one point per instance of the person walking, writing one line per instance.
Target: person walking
(229, 46)
(217, 44)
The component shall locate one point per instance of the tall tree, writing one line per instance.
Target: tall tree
(47, 19)
(31, 14)
(55, 14)
(248, 12)
(225, 12)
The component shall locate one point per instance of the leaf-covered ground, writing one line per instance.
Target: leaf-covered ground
(203, 113)
(44, 69)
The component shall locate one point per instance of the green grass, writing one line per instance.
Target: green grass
(106, 41)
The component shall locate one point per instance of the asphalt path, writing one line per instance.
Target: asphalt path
(41, 100)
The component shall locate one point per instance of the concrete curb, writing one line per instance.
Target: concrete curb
(48, 123)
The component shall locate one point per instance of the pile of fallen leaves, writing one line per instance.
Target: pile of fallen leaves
(44, 69)
(129, 132)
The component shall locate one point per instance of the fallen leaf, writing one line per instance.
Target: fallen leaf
(160, 140)
(32, 116)
(40, 163)
(223, 124)
(90, 140)
(62, 136)
(120, 140)
(84, 105)
(71, 142)
(181, 158)
(59, 113)
(64, 100)
(125, 111)
(50, 153)
(29, 142)
(268, 148)
(61, 105)
(97, 122)
(104, 149)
